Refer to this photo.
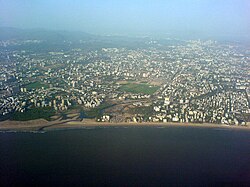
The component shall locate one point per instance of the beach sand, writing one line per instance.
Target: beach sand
(43, 125)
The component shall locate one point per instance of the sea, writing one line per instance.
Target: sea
(126, 156)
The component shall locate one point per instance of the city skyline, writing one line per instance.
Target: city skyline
(125, 93)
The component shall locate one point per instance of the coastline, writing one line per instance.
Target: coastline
(41, 125)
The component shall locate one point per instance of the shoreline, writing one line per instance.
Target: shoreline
(41, 125)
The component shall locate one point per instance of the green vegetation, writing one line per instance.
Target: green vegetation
(145, 111)
(92, 113)
(96, 112)
(139, 88)
(34, 113)
(35, 85)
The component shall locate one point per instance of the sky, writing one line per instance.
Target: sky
(125, 17)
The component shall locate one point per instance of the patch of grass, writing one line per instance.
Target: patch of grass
(96, 112)
(139, 88)
(36, 85)
(32, 114)
(92, 113)
(146, 111)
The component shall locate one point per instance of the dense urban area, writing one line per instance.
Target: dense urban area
(191, 81)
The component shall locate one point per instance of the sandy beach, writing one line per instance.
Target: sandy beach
(43, 125)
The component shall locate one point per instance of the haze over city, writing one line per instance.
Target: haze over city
(207, 18)
(124, 93)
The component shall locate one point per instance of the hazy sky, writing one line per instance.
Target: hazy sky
(129, 16)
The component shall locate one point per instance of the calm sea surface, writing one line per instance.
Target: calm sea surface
(137, 156)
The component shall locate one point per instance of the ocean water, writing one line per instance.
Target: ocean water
(134, 156)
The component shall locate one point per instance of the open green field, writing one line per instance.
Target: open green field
(34, 113)
(143, 88)
(36, 85)
(96, 112)
(145, 111)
